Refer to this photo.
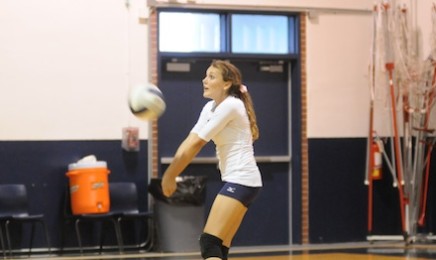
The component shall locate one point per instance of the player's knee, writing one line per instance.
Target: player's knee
(210, 246)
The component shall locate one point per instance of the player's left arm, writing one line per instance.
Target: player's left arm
(186, 152)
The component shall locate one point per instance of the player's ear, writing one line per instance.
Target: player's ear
(227, 85)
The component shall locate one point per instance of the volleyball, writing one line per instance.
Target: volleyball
(146, 102)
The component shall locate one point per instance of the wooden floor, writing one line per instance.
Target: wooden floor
(346, 251)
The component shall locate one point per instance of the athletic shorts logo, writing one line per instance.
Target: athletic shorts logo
(231, 189)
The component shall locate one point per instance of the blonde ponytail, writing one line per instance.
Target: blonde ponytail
(246, 98)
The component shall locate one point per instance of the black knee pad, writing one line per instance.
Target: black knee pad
(210, 246)
(225, 251)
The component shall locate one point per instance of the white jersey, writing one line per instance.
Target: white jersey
(229, 128)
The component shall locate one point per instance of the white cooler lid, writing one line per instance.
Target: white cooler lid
(85, 165)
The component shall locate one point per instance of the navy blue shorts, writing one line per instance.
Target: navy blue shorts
(246, 195)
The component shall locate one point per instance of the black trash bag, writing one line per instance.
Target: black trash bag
(190, 191)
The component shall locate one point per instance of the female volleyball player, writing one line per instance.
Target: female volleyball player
(229, 120)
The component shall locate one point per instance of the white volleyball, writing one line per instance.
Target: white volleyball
(146, 102)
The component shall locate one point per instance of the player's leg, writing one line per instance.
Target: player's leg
(224, 219)
(227, 240)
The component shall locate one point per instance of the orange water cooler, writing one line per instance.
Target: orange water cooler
(89, 187)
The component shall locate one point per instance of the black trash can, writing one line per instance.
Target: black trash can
(180, 218)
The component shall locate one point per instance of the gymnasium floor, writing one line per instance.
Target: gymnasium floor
(346, 251)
